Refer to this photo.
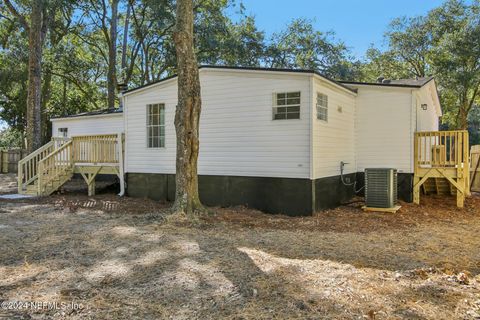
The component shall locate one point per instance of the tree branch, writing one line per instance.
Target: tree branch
(17, 14)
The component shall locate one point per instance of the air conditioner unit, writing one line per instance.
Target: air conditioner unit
(380, 187)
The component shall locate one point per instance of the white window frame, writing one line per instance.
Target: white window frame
(63, 132)
(286, 106)
(322, 106)
(150, 127)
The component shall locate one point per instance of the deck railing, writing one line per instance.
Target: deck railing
(475, 168)
(442, 155)
(441, 149)
(54, 165)
(96, 149)
(28, 166)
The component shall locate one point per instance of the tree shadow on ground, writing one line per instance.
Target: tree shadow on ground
(124, 266)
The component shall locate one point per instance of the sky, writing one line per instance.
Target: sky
(358, 23)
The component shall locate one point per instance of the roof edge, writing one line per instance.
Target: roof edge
(388, 84)
(87, 114)
(304, 71)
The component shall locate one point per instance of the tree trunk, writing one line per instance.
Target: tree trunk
(112, 57)
(46, 95)
(125, 41)
(462, 118)
(187, 113)
(34, 91)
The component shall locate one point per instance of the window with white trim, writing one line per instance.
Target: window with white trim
(63, 132)
(156, 125)
(322, 106)
(286, 106)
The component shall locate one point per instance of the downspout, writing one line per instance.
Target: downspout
(413, 126)
(121, 157)
(311, 134)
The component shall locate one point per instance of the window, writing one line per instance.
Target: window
(322, 107)
(156, 125)
(63, 132)
(286, 106)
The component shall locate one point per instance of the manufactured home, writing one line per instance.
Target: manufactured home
(282, 141)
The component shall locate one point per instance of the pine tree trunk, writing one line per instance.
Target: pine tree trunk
(46, 95)
(34, 91)
(187, 114)
(463, 118)
(112, 57)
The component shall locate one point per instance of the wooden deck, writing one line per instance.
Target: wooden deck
(48, 168)
(475, 168)
(442, 155)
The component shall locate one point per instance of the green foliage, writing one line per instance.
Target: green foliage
(13, 74)
(410, 41)
(444, 43)
(455, 58)
(301, 46)
(382, 64)
(474, 126)
(10, 139)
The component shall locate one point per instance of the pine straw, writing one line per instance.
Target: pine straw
(120, 258)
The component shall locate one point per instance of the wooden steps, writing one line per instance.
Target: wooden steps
(45, 170)
(441, 164)
(50, 187)
(440, 186)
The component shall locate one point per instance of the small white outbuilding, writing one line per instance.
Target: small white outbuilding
(88, 123)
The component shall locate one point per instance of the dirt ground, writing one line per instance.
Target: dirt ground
(8, 183)
(120, 258)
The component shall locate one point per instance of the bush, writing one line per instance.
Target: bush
(10, 139)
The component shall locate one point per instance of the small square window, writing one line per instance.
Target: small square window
(63, 132)
(287, 106)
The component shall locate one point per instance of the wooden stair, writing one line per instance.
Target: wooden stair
(440, 186)
(49, 187)
(46, 170)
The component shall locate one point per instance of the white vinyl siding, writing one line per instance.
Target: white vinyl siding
(426, 120)
(384, 133)
(89, 125)
(237, 134)
(333, 141)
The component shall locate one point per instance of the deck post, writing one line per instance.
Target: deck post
(91, 185)
(442, 155)
(416, 179)
(416, 190)
(466, 167)
(19, 175)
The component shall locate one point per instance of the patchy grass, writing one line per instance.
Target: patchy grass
(119, 258)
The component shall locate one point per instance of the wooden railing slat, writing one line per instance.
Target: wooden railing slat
(95, 149)
(440, 148)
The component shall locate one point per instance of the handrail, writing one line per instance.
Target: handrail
(61, 154)
(441, 149)
(27, 167)
(101, 148)
(36, 152)
(56, 163)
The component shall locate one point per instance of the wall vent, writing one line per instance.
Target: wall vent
(380, 187)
